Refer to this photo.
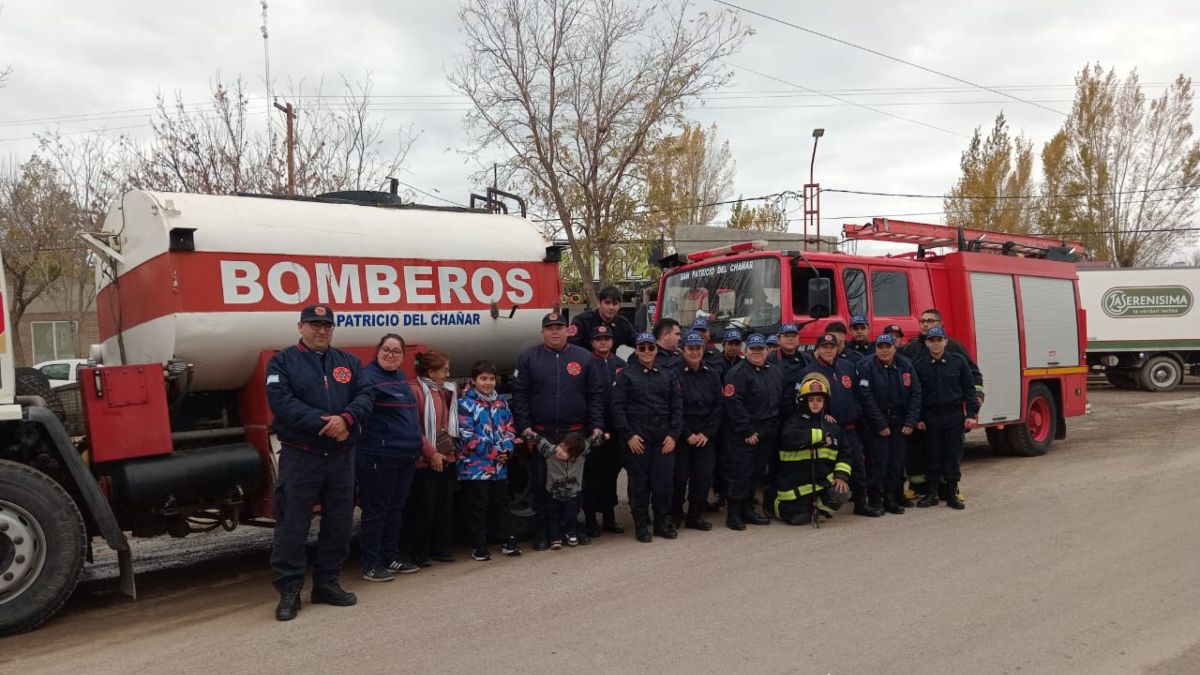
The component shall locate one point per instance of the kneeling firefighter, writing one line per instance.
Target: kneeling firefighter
(814, 466)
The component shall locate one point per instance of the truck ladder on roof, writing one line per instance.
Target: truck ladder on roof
(933, 236)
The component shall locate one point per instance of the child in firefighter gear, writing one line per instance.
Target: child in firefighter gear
(564, 479)
(753, 389)
(647, 407)
(891, 398)
(814, 465)
(949, 408)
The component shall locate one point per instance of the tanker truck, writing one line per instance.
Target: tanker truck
(195, 293)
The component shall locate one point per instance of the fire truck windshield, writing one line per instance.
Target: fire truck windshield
(742, 293)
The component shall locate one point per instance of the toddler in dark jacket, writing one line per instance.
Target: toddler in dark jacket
(564, 480)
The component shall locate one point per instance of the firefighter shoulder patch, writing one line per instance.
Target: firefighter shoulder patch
(728, 390)
(907, 377)
(847, 382)
(572, 330)
(341, 374)
(574, 368)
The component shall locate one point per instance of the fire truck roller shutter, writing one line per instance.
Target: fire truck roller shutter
(1050, 319)
(997, 345)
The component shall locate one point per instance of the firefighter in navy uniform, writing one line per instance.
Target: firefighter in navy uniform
(557, 388)
(666, 338)
(814, 465)
(918, 459)
(753, 390)
(949, 408)
(319, 403)
(712, 352)
(790, 358)
(731, 352)
(838, 329)
(608, 314)
(603, 465)
(647, 408)
(860, 336)
(846, 407)
(729, 356)
(891, 398)
(697, 451)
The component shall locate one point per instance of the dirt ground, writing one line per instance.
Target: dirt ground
(1086, 560)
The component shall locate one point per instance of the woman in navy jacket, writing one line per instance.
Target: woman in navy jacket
(385, 459)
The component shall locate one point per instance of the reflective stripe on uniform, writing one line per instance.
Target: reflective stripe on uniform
(797, 492)
(843, 467)
(803, 455)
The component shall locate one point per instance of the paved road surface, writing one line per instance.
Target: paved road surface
(1085, 561)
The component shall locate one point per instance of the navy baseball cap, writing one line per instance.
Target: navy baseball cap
(693, 339)
(553, 319)
(773, 339)
(789, 328)
(317, 314)
(700, 324)
(733, 335)
(602, 332)
(859, 320)
(827, 339)
(644, 338)
(894, 329)
(756, 340)
(936, 332)
(885, 339)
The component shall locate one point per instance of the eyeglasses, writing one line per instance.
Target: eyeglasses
(647, 348)
(320, 327)
(391, 352)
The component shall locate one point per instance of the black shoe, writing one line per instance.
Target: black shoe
(867, 510)
(444, 557)
(665, 527)
(953, 499)
(403, 567)
(927, 500)
(697, 523)
(572, 540)
(733, 516)
(423, 562)
(641, 528)
(541, 544)
(892, 507)
(610, 523)
(332, 594)
(378, 574)
(481, 554)
(289, 604)
(905, 502)
(584, 540)
(511, 547)
(752, 517)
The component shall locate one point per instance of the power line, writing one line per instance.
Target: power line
(430, 195)
(853, 103)
(1106, 193)
(888, 56)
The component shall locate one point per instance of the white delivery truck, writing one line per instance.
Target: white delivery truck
(1143, 328)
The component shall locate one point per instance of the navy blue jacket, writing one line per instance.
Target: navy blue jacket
(582, 326)
(752, 395)
(394, 428)
(558, 390)
(609, 367)
(791, 365)
(647, 402)
(702, 401)
(304, 385)
(844, 392)
(916, 348)
(889, 395)
(861, 348)
(946, 384)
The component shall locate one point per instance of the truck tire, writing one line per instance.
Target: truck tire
(1033, 438)
(1160, 374)
(998, 441)
(1121, 379)
(42, 547)
(33, 382)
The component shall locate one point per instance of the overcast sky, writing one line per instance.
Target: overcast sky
(88, 65)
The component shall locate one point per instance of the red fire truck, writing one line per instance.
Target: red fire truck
(1011, 300)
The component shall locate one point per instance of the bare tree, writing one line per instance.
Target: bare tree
(38, 220)
(576, 89)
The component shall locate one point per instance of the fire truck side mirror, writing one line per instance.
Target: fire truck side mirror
(820, 298)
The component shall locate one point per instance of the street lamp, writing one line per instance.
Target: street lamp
(812, 195)
(817, 134)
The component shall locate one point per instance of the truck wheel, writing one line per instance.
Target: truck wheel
(33, 382)
(1160, 373)
(1121, 379)
(1033, 438)
(42, 546)
(998, 441)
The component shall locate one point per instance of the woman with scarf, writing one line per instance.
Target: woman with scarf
(429, 515)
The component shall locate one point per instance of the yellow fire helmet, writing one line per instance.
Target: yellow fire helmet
(813, 384)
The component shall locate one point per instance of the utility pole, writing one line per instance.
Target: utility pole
(290, 113)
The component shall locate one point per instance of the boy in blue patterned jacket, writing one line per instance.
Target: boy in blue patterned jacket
(484, 444)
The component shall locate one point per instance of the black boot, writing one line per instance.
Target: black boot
(953, 499)
(868, 507)
(903, 500)
(289, 604)
(891, 506)
(331, 593)
(696, 521)
(928, 498)
(753, 517)
(590, 526)
(733, 515)
(664, 526)
(641, 528)
(610, 523)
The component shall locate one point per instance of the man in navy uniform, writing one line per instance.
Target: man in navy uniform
(860, 336)
(790, 357)
(753, 390)
(319, 402)
(557, 388)
(891, 398)
(712, 352)
(608, 314)
(666, 338)
(603, 465)
(697, 449)
(949, 408)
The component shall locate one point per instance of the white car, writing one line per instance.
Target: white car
(61, 371)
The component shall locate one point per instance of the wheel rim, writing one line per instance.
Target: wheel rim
(22, 550)
(1039, 419)
(1163, 375)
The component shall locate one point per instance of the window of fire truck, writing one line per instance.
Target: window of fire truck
(854, 281)
(890, 293)
(801, 274)
(745, 292)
